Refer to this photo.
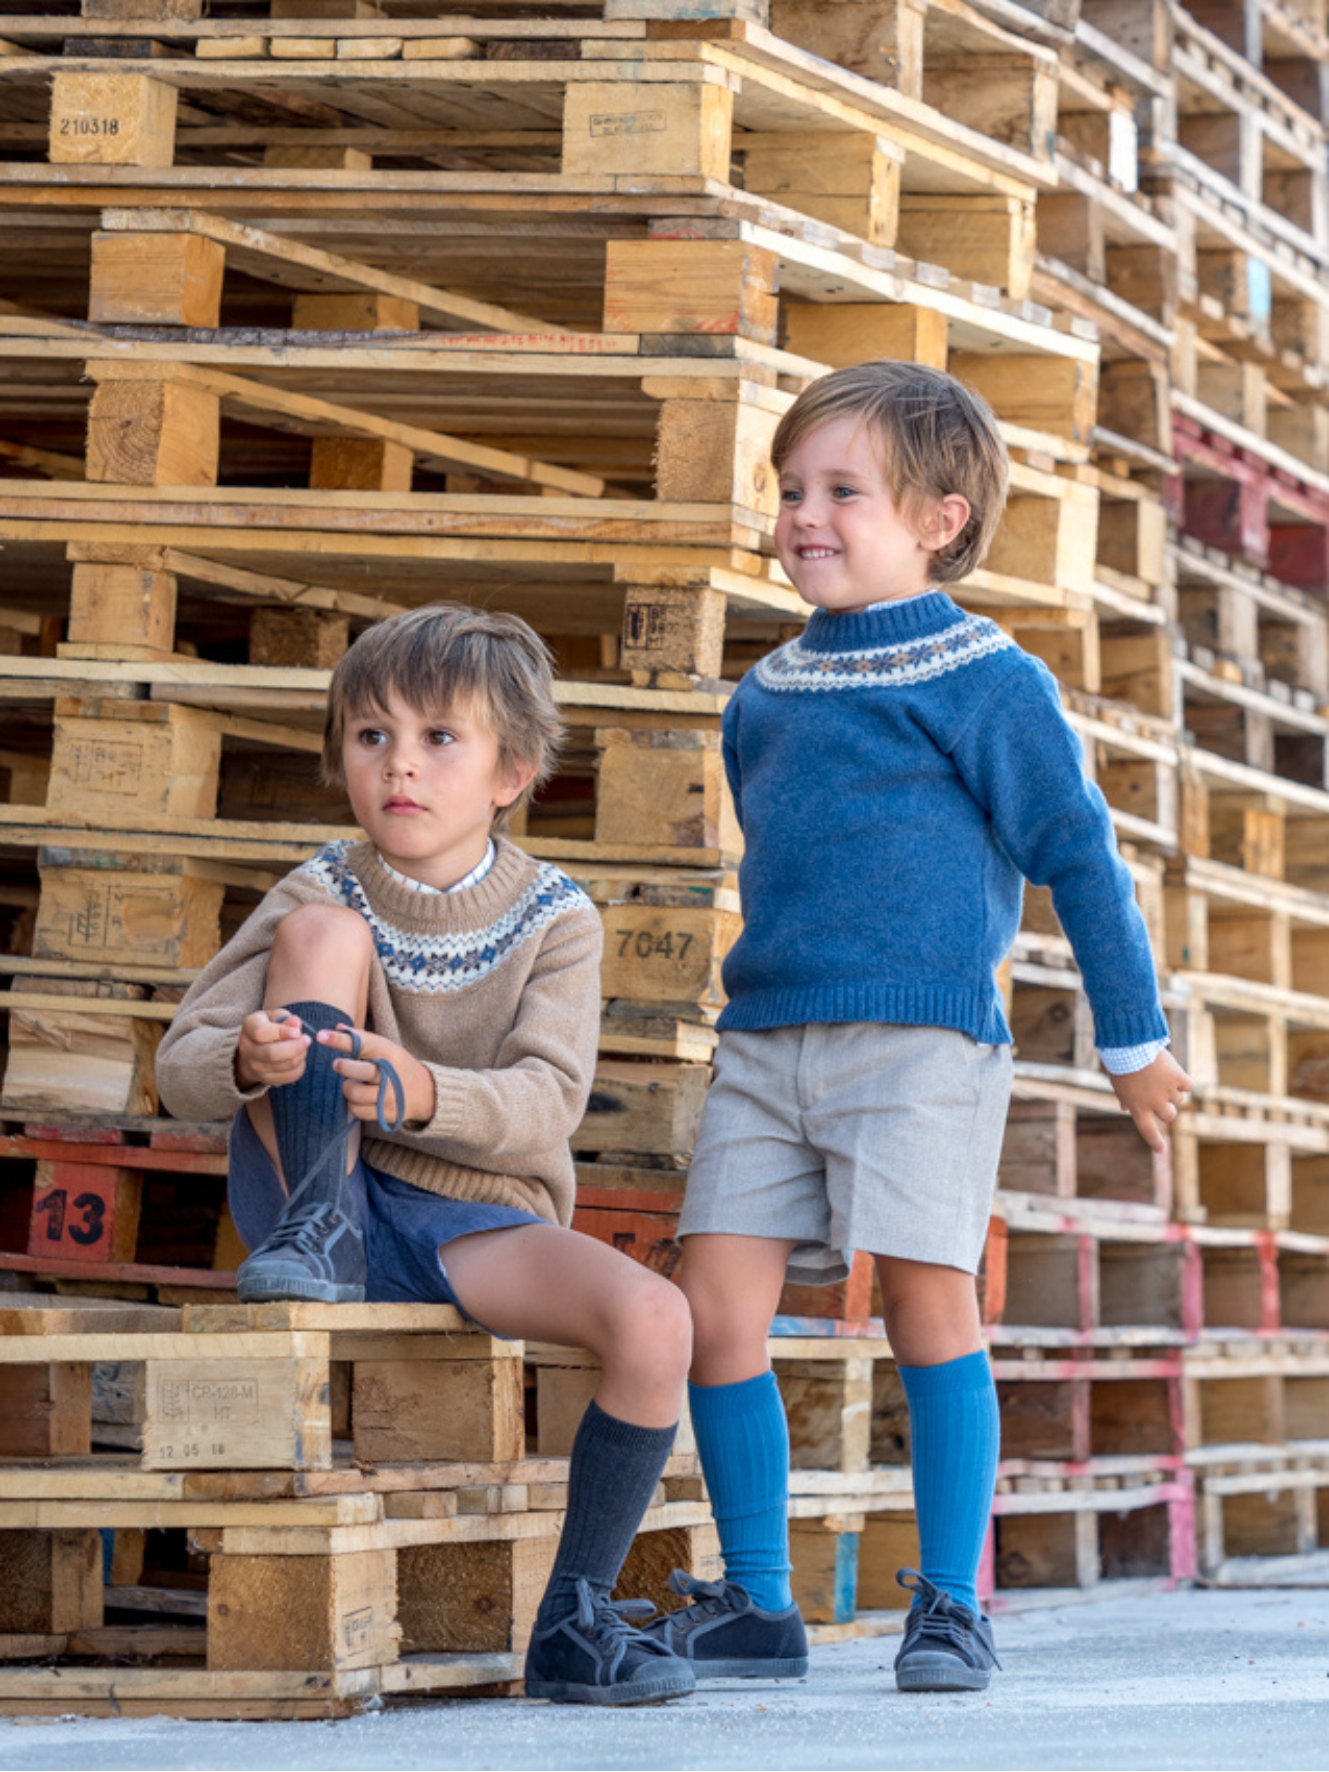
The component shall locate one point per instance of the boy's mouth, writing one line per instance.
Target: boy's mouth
(400, 803)
(817, 553)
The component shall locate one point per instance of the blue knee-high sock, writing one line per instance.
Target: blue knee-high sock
(309, 1114)
(956, 1433)
(743, 1439)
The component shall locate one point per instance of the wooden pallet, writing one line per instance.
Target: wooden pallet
(1263, 1514)
(1251, 619)
(250, 1386)
(1050, 1533)
(1270, 1391)
(397, 1580)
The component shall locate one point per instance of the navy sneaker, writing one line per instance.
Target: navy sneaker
(594, 1656)
(315, 1252)
(725, 1635)
(946, 1648)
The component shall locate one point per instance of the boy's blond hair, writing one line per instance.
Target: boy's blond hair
(444, 656)
(935, 435)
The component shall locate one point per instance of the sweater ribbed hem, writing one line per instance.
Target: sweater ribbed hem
(433, 1175)
(905, 1005)
(913, 1006)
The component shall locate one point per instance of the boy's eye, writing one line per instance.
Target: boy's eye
(843, 492)
(371, 735)
(440, 736)
(790, 495)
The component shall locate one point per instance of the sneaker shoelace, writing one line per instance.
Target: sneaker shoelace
(938, 1614)
(335, 1148)
(608, 1621)
(708, 1597)
(304, 1231)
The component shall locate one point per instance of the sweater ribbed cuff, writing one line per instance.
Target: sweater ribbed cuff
(450, 1090)
(236, 1096)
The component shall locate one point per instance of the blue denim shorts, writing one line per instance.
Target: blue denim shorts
(405, 1227)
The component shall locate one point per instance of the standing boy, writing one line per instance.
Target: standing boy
(898, 771)
(440, 989)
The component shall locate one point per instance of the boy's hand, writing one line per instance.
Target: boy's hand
(362, 1077)
(1152, 1097)
(271, 1049)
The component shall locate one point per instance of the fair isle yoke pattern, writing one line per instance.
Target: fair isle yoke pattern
(916, 660)
(434, 962)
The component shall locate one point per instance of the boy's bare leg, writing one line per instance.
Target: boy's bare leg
(931, 1312)
(541, 1283)
(320, 953)
(733, 1286)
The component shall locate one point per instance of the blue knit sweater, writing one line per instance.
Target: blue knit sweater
(897, 774)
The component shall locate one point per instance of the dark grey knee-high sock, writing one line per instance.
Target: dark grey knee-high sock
(612, 1476)
(309, 1113)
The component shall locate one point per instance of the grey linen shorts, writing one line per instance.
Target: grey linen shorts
(849, 1136)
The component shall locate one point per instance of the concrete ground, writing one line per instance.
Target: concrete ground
(1194, 1679)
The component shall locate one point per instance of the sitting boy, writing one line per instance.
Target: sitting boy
(437, 991)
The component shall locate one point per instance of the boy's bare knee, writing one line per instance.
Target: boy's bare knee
(330, 929)
(724, 1329)
(653, 1333)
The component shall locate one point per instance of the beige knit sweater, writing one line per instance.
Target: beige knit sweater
(495, 989)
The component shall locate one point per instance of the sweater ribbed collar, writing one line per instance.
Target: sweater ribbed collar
(912, 618)
(470, 907)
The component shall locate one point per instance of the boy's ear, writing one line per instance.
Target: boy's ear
(944, 519)
(517, 779)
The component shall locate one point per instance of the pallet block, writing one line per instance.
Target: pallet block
(320, 1612)
(93, 1062)
(45, 1411)
(144, 757)
(472, 1597)
(824, 1555)
(111, 119)
(644, 1109)
(128, 915)
(667, 954)
(50, 1581)
(156, 279)
(828, 1404)
(691, 286)
(654, 1556)
(664, 790)
(409, 1410)
(887, 1544)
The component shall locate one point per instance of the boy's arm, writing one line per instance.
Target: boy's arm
(196, 1059)
(1022, 762)
(729, 751)
(539, 1087)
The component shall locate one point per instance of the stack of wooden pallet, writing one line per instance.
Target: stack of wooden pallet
(322, 1507)
(317, 311)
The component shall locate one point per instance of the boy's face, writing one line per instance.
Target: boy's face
(425, 787)
(840, 535)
